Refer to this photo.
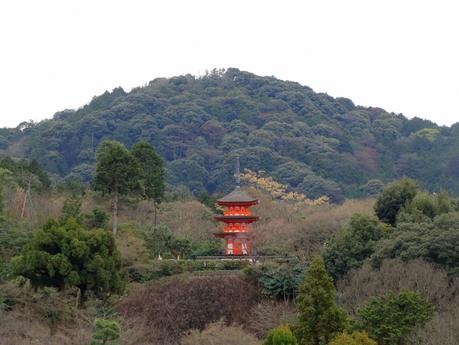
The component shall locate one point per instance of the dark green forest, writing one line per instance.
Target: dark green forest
(314, 143)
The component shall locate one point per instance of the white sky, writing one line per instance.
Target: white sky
(399, 55)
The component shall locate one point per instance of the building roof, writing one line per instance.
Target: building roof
(237, 195)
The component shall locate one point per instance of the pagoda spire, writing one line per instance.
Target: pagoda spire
(238, 173)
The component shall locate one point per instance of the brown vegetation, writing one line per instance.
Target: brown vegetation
(173, 306)
(219, 334)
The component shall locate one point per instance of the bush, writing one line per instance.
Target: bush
(281, 335)
(105, 332)
(355, 338)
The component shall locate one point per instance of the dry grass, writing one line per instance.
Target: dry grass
(394, 275)
(219, 334)
(269, 314)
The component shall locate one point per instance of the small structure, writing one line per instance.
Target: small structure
(237, 217)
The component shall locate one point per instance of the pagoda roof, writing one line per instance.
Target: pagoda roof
(237, 196)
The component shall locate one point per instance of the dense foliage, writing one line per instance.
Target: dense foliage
(392, 317)
(352, 246)
(64, 254)
(317, 144)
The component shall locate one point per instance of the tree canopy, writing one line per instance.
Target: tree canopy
(317, 144)
(64, 254)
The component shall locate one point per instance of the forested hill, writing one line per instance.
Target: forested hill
(313, 142)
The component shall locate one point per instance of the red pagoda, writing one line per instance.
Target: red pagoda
(237, 218)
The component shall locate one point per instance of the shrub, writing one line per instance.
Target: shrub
(355, 338)
(105, 332)
(281, 335)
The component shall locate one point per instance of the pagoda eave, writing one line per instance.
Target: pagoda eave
(233, 235)
(237, 219)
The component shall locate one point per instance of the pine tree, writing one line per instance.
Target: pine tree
(320, 319)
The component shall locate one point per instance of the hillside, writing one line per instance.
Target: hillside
(315, 143)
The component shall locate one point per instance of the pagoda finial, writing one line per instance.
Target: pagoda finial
(238, 173)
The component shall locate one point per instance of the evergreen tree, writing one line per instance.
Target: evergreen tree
(320, 319)
(64, 254)
(152, 173)
(117, 173)
(393, 198)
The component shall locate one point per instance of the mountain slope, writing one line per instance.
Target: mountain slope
(313, 142)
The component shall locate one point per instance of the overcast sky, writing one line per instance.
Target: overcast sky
(402, 56)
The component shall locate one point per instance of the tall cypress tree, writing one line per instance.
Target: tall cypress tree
(320, 319)
(152, 173)
(117, 173)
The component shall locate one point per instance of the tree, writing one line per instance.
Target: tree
(117, 173)
(391, 318)
(72, 209)
(319, 319)
(352, 246)
(105, 332)
(152, 173)
(4, 176)
(355, 338)
(393, 198)
(64, 254)
(281, 335)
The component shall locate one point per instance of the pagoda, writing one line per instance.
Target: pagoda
(236, 218)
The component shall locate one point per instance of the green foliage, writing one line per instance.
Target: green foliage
(393, 198)
(352, 246)
(72, 209)
(22, 172)
(209, 201)
(105, 332)
(64, 254)
(117, 173)
(281, 335)
(97, 219)
(391, 318)
(317, 144)
(354, 338)
(162, 243)
(152, 171)
(319, 318)
(281, 281)
(165, 268)
(434, 241)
